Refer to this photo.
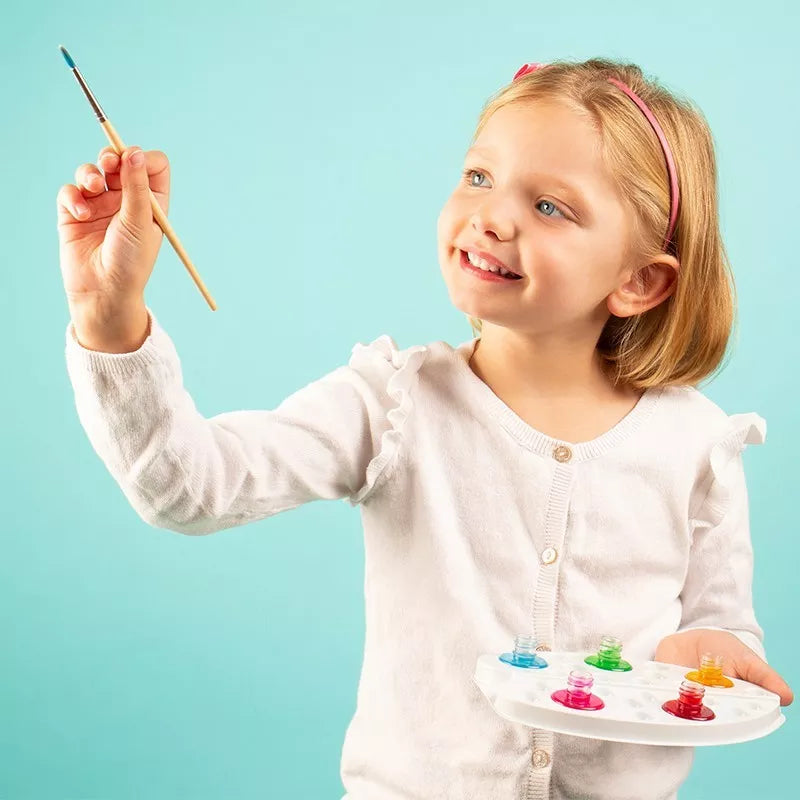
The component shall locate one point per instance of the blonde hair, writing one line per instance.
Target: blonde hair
(682, 340)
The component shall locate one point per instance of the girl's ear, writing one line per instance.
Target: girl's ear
(645, 288)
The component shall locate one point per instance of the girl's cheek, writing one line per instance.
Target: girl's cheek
(448, 216)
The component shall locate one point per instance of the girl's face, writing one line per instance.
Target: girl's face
(537, 197)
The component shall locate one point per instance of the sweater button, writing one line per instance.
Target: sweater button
(540, 759)
(549, 555)
(562, 454)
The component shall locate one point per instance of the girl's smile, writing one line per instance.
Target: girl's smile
(485, 271)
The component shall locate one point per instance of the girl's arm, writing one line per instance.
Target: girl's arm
(718, 591)
(717, 597)
(335, 438)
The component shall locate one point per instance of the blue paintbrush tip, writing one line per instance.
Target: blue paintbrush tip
(67, 57)
(99, 113)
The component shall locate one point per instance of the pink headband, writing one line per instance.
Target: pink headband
(673, 175)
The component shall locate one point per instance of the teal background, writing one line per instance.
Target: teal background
(312, 148)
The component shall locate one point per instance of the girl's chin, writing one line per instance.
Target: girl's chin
(488, 312)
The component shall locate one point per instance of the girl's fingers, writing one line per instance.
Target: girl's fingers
(108, 156)
(71, 204)
(90, 179)
(157, 169)
(109, 162)
(157, 165)
(753, 669)
(80, 200)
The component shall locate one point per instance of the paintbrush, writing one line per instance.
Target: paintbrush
(119, 147)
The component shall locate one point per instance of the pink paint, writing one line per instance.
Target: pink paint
(578, 694)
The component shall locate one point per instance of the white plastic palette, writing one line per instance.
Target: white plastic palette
(632, 700)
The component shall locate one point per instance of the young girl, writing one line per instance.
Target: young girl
(558, 474)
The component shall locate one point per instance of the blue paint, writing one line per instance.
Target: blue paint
(66, 55)
(524, 660)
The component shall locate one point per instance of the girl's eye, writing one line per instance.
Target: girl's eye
(469, 173)
(549, 209)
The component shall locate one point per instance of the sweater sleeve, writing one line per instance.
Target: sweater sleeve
(717, 591)
(333, 439)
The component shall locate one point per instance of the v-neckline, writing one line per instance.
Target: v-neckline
(539, 442)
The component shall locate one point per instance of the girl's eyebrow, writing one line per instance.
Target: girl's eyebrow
(567, 188)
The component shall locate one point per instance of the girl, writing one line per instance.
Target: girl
(558, 473)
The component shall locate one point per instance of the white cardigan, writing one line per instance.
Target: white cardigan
(477, 528)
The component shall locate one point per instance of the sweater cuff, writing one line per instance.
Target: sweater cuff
(122, 364)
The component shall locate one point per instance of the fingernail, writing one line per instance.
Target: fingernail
(137, 158)
(81, 209)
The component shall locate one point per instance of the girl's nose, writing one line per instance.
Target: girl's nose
(490, 218)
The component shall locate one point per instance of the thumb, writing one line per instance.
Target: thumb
(755, 670)
(136, 211)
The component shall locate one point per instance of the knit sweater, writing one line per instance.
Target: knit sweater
(477, 528)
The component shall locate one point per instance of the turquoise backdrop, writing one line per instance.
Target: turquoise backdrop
(312, 146)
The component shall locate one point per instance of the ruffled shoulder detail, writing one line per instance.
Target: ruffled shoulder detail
(740, 431)
(399, 371)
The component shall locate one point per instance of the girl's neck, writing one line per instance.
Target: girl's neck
(544, 368)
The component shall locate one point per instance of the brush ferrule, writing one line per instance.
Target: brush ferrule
(96, 107)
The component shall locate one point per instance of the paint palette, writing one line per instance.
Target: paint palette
(601, 696)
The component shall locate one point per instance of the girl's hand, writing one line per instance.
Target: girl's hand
(739, 661)
(108, 251)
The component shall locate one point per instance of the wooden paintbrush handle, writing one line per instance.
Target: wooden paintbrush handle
(162, 221)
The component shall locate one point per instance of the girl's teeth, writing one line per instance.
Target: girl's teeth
(485, 265)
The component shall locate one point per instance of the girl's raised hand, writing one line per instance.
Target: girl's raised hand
(108, 244)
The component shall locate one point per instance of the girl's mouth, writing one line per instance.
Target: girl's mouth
(487, 272)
